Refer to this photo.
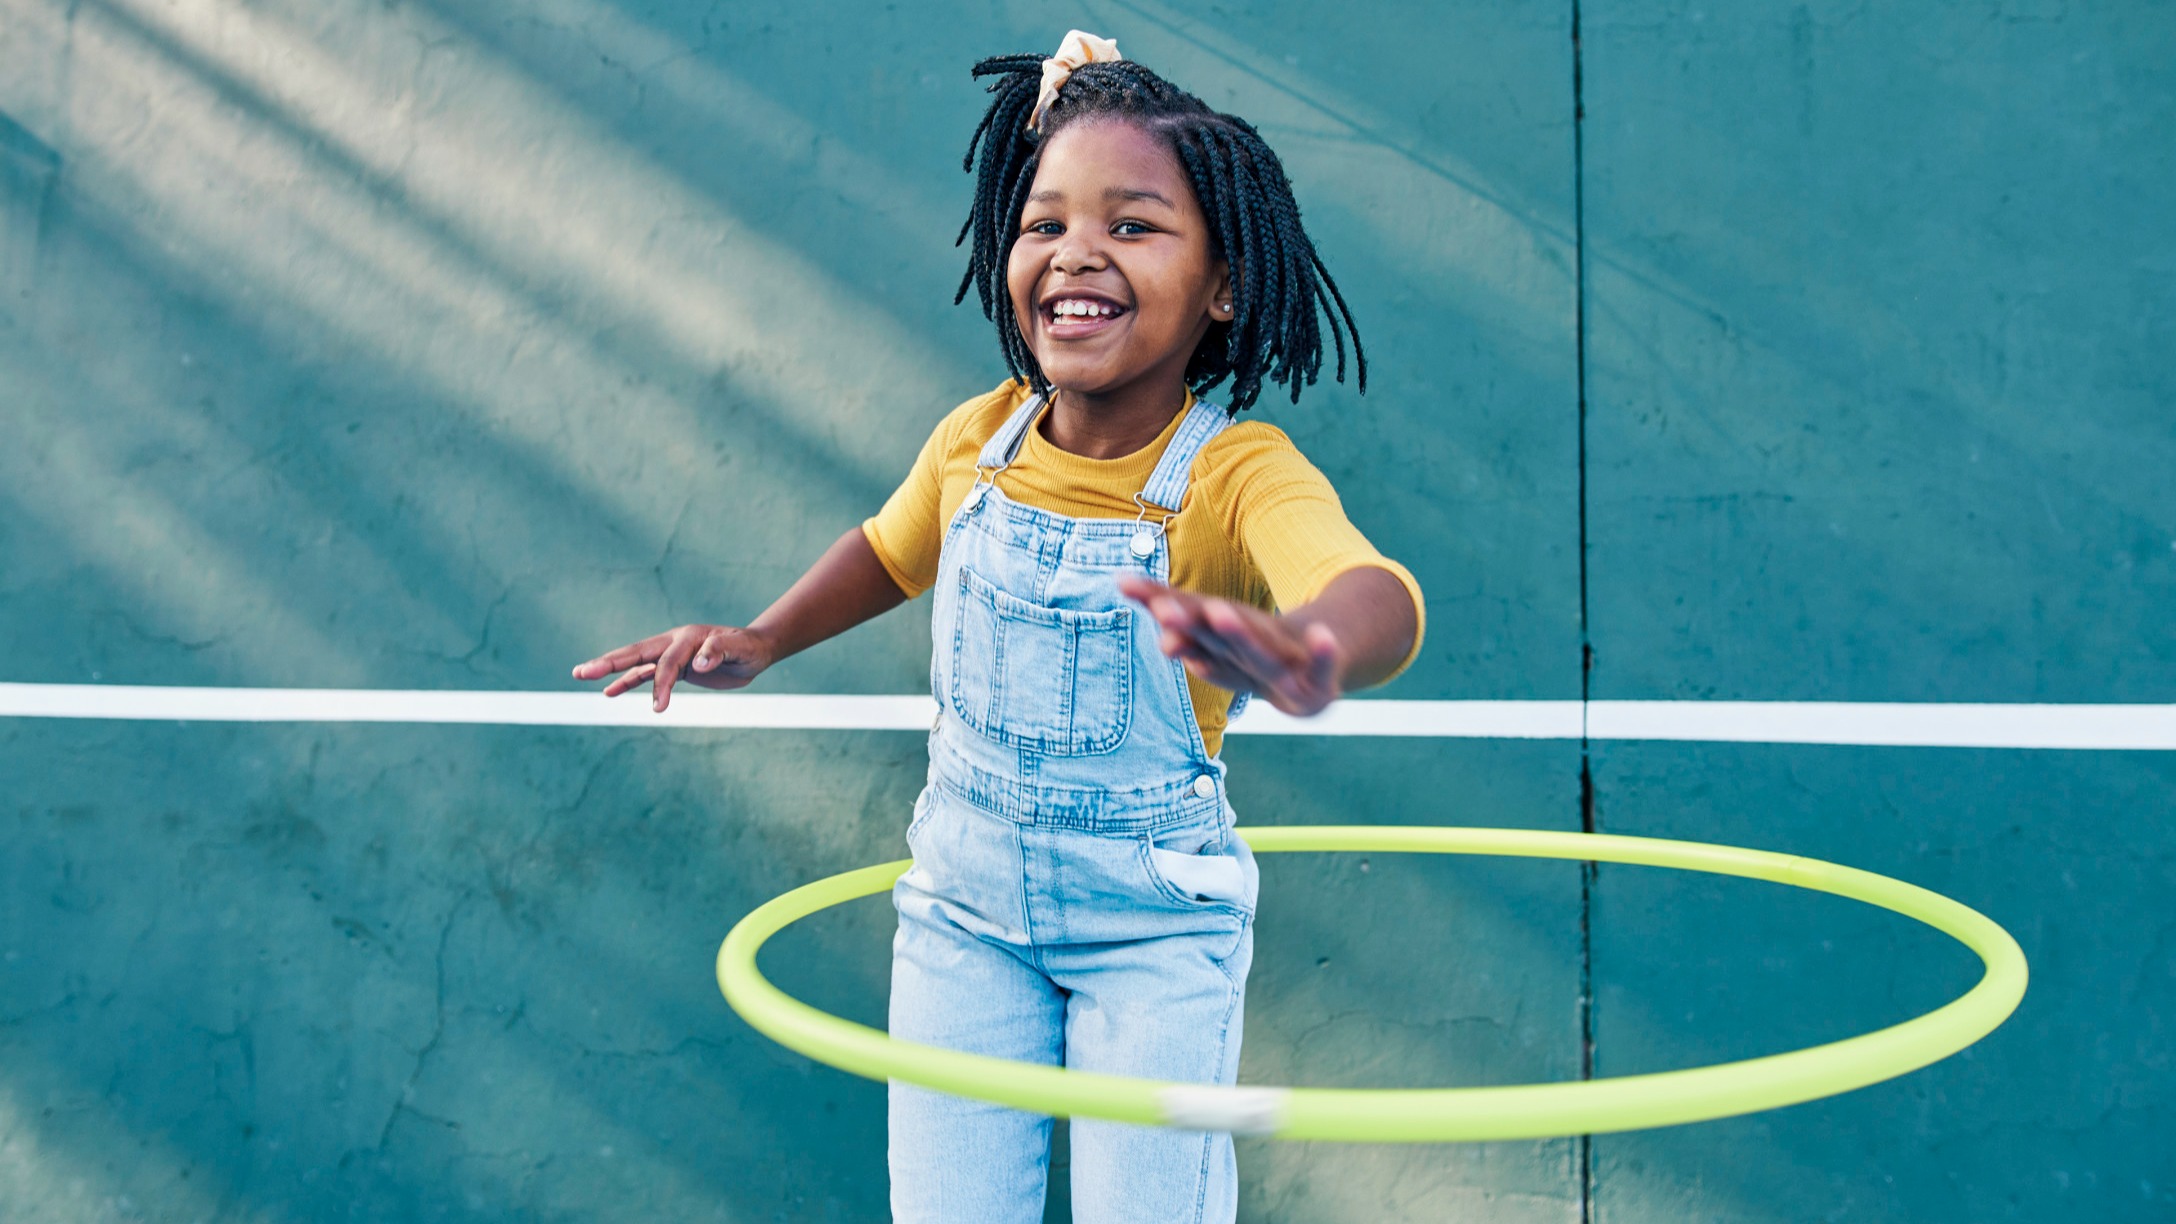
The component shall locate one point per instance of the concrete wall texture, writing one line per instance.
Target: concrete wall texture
(1814, 351)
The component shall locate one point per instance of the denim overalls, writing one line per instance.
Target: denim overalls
(1077, 894)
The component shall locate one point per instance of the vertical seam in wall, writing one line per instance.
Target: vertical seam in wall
(1587, 870)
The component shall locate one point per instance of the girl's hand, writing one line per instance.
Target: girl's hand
(722, 657)
(1296, 668)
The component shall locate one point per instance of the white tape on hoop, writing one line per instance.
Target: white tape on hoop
(1209, 1107)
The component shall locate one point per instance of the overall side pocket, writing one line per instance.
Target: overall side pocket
(1200, 865)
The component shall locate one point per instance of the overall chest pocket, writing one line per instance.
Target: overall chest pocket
(1052, 680)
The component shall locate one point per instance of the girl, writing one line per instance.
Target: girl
(1105, 552)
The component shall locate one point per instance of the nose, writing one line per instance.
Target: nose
(1076, 252)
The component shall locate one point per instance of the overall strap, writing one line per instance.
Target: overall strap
(1166, 486)
(1005, 443)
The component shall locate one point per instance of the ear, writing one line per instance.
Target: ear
(1222, 306)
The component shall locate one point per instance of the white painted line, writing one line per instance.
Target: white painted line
(1869, 724)
(569, 709)
(1432, 719)
(1888, 724)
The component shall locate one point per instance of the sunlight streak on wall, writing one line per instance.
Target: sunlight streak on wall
(45, 1183)
(704, 95)
(425, 303)
(150, 544)
(1430, 211)
(534, 185)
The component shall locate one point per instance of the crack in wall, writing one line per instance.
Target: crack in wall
(401, 1100)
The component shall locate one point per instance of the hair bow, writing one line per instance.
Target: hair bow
(1080, 47)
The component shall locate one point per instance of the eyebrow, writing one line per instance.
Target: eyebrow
(1109, 193)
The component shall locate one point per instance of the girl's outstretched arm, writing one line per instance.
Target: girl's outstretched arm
(845, 587)
(1351, 636)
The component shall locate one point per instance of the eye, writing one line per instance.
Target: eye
(1136, 224)
(1037, 227)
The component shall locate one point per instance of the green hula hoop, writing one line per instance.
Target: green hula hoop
(1429, 1115)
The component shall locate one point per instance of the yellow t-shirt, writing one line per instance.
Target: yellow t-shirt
(1260, 524)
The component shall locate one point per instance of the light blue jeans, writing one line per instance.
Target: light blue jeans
(1115, 949)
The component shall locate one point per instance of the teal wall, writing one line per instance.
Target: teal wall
(1878, 385)
(442, 344)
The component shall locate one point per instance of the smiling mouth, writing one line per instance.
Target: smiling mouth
(1076, 327)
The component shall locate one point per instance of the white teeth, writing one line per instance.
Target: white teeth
(1071, 307)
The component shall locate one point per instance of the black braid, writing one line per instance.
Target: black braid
(1245, 341)
(1003, 157)
(1278, 280)
(1265, 359)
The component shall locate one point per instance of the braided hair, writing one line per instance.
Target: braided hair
(1254, 223)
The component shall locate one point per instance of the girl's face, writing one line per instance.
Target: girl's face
(1111, 221)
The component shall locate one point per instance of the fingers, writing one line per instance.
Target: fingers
(671, 664)
(713, 656)
(1326, 663)
(1309, 686)
(644, 651)
(1175, 610)
(630, 680)
(1213, 657)
(1328, 653)
(721, 645)
(1143, 589)
(1315, 684)
(1216, 669)
(709, 651)
(1295, 669)
(1242, 648)
(1259, 642)
(1215, 630)
(1187, 638)
(641, 662)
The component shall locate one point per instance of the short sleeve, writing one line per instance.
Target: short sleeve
(1286, 517)
(907, 533)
